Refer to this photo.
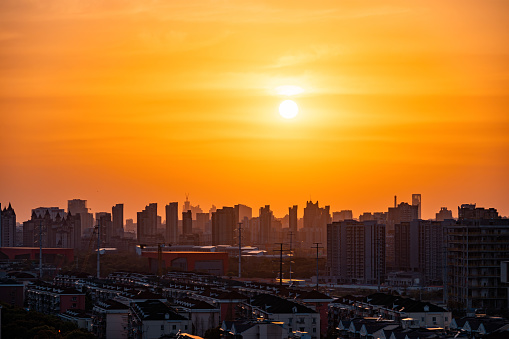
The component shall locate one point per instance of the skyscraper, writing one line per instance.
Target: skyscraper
(7, 226)
(356, 252)
(147, 224)
(292, 219)
(315, 223)
(416, 201)
(223, 226)
(117, 213)
(76, 206)
(172, 222)
(187, 223)
(103, 219)
(266, 217)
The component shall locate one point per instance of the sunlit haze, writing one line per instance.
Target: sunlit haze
(146, 101)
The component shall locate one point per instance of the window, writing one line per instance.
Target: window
(185, 327)
(302, 329)
(314, 329)
(73, 305)
(162, 327)
(174, 327)
(74, 298)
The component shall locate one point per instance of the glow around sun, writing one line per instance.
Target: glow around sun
(288, 109)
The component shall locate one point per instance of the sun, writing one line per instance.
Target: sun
(288, 109)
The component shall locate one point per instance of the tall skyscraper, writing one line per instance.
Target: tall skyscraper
(395, 215)
(356, 252)
(76, 206)
(103, 219)
(172, 222)
(117, 213)
(292, 219)
(187, 223)
(147, 224)
(7, 226)
(316, 220)
(223, 226)
(416, 201)
(266, 217)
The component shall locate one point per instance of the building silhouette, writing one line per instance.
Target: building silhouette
(243, 212)
(470, 211)
(266, 216)
(117, 213)
(187, 222)
(78, 206)
(342, 215)
(292, 219)
(416, 201)
(172, 220)
(476, 249)
(443, 214)
(316, 220)
(62, 232)
(356, 252)
(223, 226)
(396, 215)
(147, 224)
(7, 226)
(103, 220)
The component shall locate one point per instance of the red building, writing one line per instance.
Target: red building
(49, 255)
(12, 292)
(210, 262)
(46, 298)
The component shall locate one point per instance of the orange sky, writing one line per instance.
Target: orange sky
(144, 101)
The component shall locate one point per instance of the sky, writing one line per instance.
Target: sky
(146, 101)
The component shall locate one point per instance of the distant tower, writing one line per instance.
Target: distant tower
(172, 219)
(7, 227)
(187, 223)
(416, 201)
(266, 217)
(292, 215)
(117, 213)
(223, 226)
(395, 201)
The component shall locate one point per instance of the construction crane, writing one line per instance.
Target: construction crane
(89, 250)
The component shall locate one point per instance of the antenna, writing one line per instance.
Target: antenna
(280, 262)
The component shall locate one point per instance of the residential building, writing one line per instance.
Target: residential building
(110, 319)
(356, 252)
(292, 219)
(224, 225)
(443, 214)
(342, 215)
(117, 213)
(316, 220)
(187, 223)
(76, 206)
(266, 216)
(49, 299)
(147, 224)
(172, 219)
(7, 226)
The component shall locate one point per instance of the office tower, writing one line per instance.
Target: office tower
(443, 214)
(416, 201)
(292, 219)
(117, 213)
(419, 247)
(342, 215)
(224, 225)
(202, 222)
(147, 224)
(172, 222)
(76, 206)
(242, 212)
(316, 220)
(469, 211)
(104, 220)
(266, 217)
(356, 252)
(7, 226)
(476, 249)
(187, 223)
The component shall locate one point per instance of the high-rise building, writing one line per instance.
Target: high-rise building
(476, 249)
(292, 219)
(316, 220)
(266, 217)
(469, 211)
(53, 211)
(117, 213)
(242, 212)
(342, 215)
(172, 222)
(7, 226)
(356, 252)
(443, 214)
(147, 224)
(103, 220)
(187, 223)
(395, 215)
(416, 201)
(223, 226)
(55, 232)
(419, 247)
(76, 206)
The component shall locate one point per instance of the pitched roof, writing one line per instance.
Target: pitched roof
(273, 304)
(155, 310)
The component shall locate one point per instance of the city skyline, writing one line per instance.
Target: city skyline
(136, 103)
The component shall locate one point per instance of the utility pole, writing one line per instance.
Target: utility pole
(240, 249)
(280, 263)
(40, 249)
(98, 248)
(317, 247)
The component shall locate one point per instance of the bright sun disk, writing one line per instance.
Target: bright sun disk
(288, 109)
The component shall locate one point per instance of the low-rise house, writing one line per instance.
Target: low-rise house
(247, 329)
(152, 319)
(110, 319)
(80, 318)
(202, 315)
(46, 298)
